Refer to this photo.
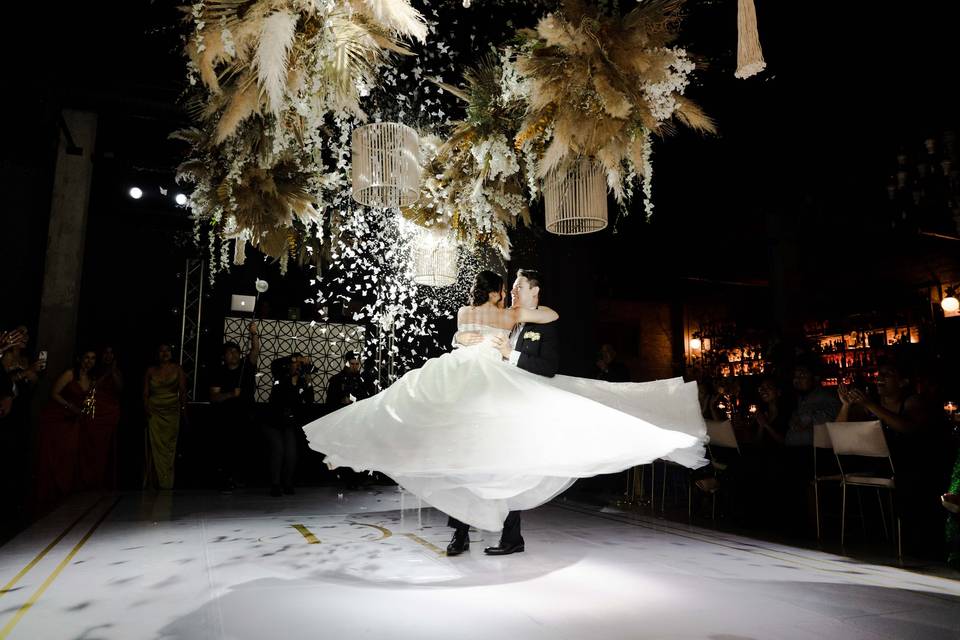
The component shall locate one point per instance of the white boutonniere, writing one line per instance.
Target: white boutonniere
(531, 335)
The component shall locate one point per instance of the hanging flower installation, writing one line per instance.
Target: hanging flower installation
(386, 165)
(601, 86)
(272, 75)
(435, 257)
(473, 182)
(281, 85)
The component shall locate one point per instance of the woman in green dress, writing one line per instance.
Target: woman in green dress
(165, 399)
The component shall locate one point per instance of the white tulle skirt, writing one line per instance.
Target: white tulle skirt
(476, 437)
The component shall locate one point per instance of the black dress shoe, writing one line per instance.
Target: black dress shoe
(275, 491)
(458, 545)
(504, 549)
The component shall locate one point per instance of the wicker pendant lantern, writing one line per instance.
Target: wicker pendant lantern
(575, 198)
(386, 165)
(435, 258)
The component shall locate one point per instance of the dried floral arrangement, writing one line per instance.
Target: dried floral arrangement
(473, 182)
(603, 86)
(276, 79)
(584, 82)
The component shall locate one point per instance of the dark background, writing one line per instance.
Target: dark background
(789, 196)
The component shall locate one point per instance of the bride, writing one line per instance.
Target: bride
(477, 437)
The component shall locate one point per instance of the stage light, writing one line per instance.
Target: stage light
(180, 199)
(695, 344)
(136, 193)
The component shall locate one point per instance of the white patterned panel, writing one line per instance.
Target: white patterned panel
(326, 344)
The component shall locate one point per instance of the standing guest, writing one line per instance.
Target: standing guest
(344, 388)
(98, 436)
(12, 340)
(15, 362)
(290, 400)
(58, 433)
(608, 367)
(165, 400)
(232, 391)
(348, 386)
(6, 394)
(17, 380)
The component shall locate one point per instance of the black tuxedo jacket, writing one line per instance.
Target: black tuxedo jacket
(539, 347)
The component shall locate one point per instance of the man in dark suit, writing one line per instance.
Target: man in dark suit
(534, 348)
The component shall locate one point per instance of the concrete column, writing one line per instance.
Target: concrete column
(66, 238)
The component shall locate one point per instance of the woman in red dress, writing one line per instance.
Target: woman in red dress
(61, 420)
(98, 434)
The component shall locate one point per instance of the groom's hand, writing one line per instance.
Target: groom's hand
(502, 345)
(469, 338)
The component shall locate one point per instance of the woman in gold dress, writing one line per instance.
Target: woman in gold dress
(165, 399)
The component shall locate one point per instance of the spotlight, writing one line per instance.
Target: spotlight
(180, 199)
(136, 193)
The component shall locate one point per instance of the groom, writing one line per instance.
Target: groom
(533, 348)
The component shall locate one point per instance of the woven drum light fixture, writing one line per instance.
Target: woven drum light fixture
(386, 165)
(575, 198)
(435, 258)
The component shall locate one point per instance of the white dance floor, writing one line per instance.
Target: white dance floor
(203, 565)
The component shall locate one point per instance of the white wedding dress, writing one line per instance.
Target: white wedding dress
(476, 437)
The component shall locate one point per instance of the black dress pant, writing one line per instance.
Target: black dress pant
(511, 528)
(282, 450)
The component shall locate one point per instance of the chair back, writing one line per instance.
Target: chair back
(821, 437)
(858, 439)
(721, 434)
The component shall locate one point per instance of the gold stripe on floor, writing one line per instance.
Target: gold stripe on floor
(6, 588)
(306, 533)
(5, 632)
(428, 545)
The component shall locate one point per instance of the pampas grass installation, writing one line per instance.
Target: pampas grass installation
(749, 54)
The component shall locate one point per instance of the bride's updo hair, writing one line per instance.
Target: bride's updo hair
(484, 284)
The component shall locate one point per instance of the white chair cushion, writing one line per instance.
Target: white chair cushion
(869, 481)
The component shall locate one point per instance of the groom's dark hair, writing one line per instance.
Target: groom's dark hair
(532, 276)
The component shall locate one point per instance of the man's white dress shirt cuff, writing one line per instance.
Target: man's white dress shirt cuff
(514, 357)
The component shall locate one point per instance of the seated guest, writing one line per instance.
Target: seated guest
(609, 368)
(815, 405)
(917, 444)
(951, 502)
(773, 418)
